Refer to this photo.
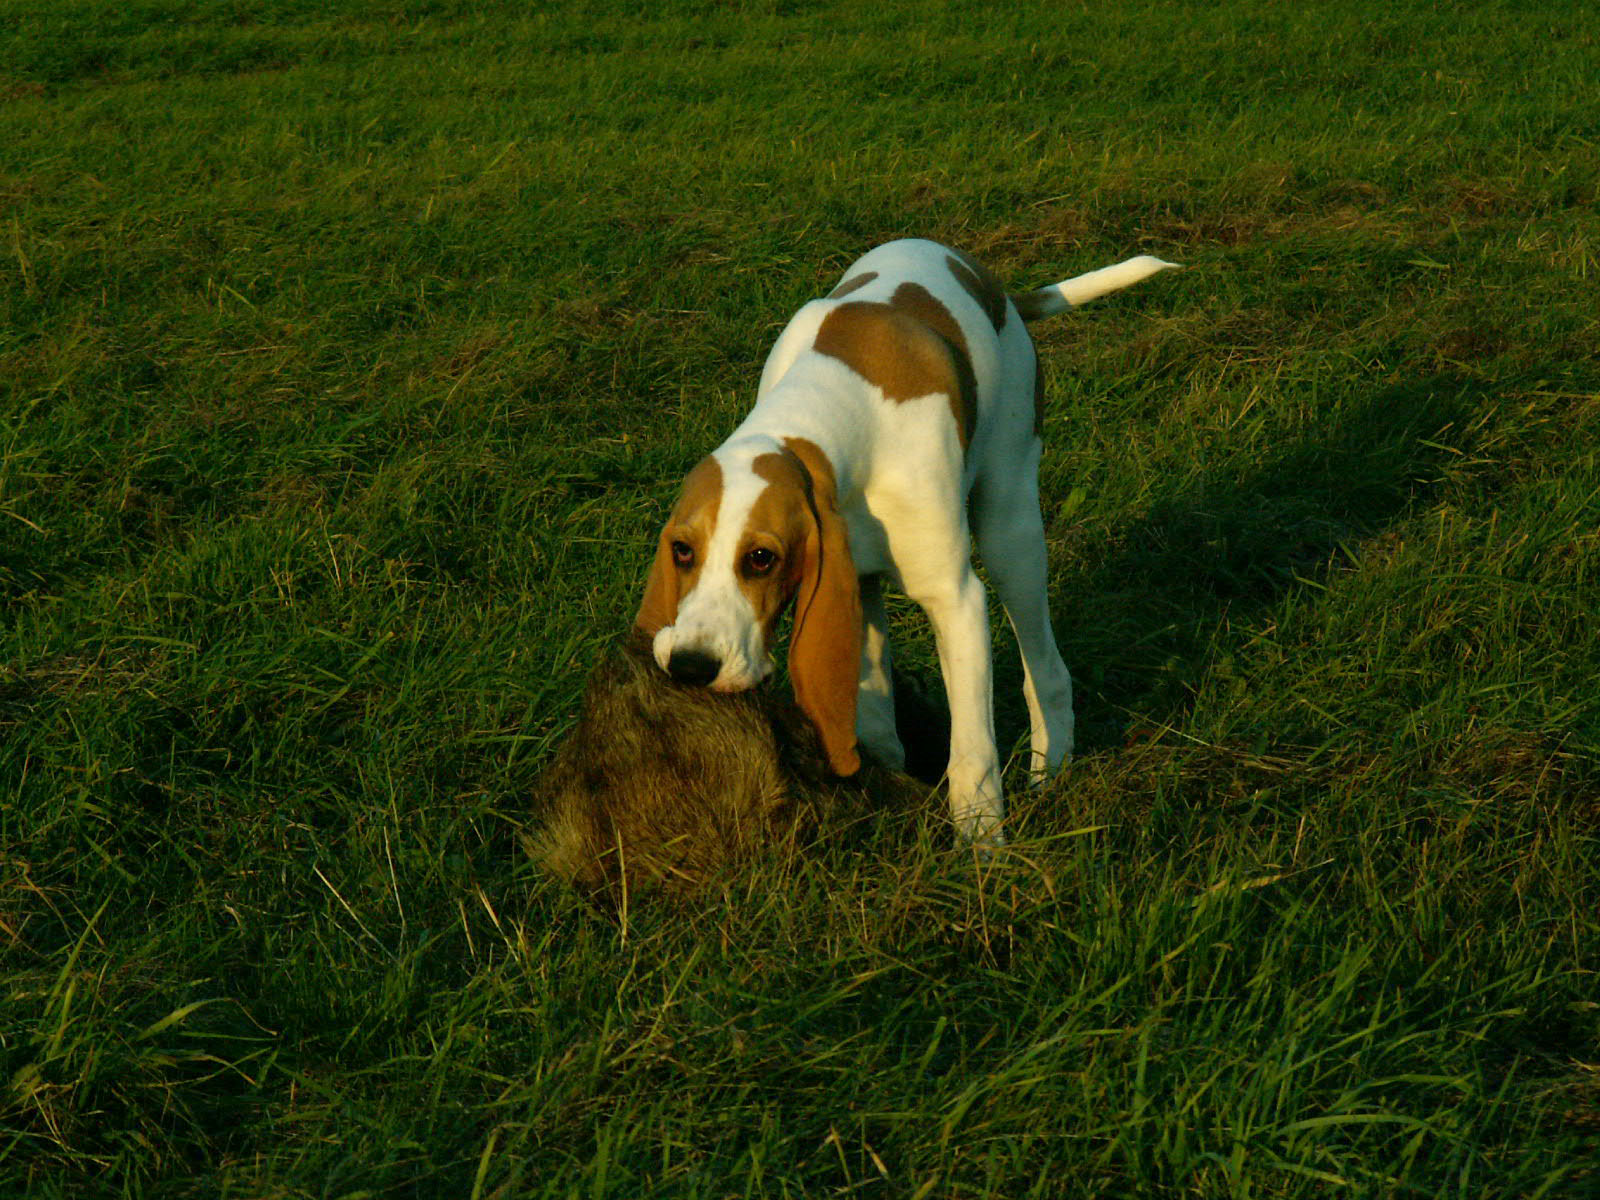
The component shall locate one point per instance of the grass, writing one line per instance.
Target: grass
(349, 356)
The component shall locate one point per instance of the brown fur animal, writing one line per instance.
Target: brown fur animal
(666, 782)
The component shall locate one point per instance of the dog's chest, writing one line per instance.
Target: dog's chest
(869, 545)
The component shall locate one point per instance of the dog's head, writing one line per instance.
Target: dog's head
(757, 526)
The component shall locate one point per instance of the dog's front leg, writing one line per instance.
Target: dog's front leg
(875, 723)
(959, 614)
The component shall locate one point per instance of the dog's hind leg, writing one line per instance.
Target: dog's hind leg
(1009, 532)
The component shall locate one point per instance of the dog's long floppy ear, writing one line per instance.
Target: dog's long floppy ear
(660, 605)
(825, 645)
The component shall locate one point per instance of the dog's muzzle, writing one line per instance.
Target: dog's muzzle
(694, 667)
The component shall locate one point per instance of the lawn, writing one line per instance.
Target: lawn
(350, 355)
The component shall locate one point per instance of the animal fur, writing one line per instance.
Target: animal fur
(669, 783)
(896, 430)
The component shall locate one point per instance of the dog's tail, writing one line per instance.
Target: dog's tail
(1080, 289)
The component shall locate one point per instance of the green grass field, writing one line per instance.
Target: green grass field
(350, 355)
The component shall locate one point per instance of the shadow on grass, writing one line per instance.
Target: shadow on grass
(1217, 554)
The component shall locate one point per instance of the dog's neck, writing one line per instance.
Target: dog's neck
(823, 402)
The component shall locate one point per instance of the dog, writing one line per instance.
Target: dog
(664, 785)
(897, 422)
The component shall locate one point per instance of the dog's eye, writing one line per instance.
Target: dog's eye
(682, 554)
(760, 560)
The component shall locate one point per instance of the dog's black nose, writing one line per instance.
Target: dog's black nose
(693, 666)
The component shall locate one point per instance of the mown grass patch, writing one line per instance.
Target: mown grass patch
(349, 356)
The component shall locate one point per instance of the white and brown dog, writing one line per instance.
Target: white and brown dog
(898, 422)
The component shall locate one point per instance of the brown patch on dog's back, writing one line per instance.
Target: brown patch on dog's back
(888, 349)
(910, 347)
(979, 283)
(851, 284)
(919, 302)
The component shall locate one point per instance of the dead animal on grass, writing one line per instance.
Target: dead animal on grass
(666, 782)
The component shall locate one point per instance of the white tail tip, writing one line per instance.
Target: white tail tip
(1091, 286)
(1081, 289)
